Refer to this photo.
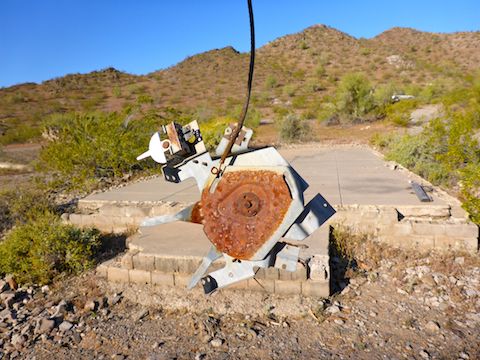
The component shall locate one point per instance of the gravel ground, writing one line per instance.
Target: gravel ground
(409, 306)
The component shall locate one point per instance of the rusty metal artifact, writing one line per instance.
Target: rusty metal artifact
(244, 211)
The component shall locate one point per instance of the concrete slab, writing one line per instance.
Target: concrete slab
(342, 175)
(183, 240)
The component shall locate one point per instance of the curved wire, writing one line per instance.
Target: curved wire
(243, 114)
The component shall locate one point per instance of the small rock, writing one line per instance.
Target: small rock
(339, 321)
(8, 315)
(373, 314)
(45, 289)
(429, 280)
(460, 260)
(424, 354)
(11, 282)
(333, 309)
(18, 340)
(91, 306)
(3, 286)
(8, 297)
(61, 308)
(76, 337)
(432, 326)
(216, 342)
(118, 357)
(471, 292)
(65, 326)
(45, 326)
(142, 314)
(116, 299)
(464, 355)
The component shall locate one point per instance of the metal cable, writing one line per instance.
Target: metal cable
(243, 114)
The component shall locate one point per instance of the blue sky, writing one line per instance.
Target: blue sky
(42, 39)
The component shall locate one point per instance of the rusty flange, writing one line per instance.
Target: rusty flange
(244, 211)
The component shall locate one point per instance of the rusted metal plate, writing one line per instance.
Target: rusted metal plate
(244, 211)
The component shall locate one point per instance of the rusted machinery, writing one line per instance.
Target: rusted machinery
(252, 201)
(251, 210)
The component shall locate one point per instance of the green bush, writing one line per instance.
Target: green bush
(294, 129)
(41, 249)
(355, 95)
(400, 112)
(96, 146)
(20, 134)
(445, 153)
(271, 82)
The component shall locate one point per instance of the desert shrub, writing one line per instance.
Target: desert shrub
(289, 90)
(299, 101)
(419, 155)
(320, 70)
(400, 112)
(303, 45)
(271, 82)
(294, 129)
(383, 96)
(213, 129)
(41, 249)
(20, 134)
(355, 95)
(96, 146)
(20, 205)
(445, 153)
(252, 120)
(470, 190)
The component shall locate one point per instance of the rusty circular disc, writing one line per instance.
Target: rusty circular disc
(244, 211)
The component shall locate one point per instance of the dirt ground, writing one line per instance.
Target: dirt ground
(413, 306)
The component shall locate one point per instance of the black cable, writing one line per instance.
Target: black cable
(243, 115)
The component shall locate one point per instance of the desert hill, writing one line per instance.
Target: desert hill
(298, 71)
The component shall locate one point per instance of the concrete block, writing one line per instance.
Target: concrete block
(101, 222)
(140, 276)
(162, 279)
(140, 212)
(300, 273)
(271, 273)
(426, 228)
(261, 285)
(467, 230)
(76, 219)
(116, 274)
(102, 270)
(288, 287)
(241, 285)
(188, 265)
(285, 275)
(318, 289)
(127, 261)
(260, 273)
(182, 280)
(166, 264)
(143, 262)
(402, 228)
(319, 268)
(414, 242)
(111, 210)
(428, 211)
(456, 243)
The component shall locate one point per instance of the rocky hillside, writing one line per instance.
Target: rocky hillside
(296, 71)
